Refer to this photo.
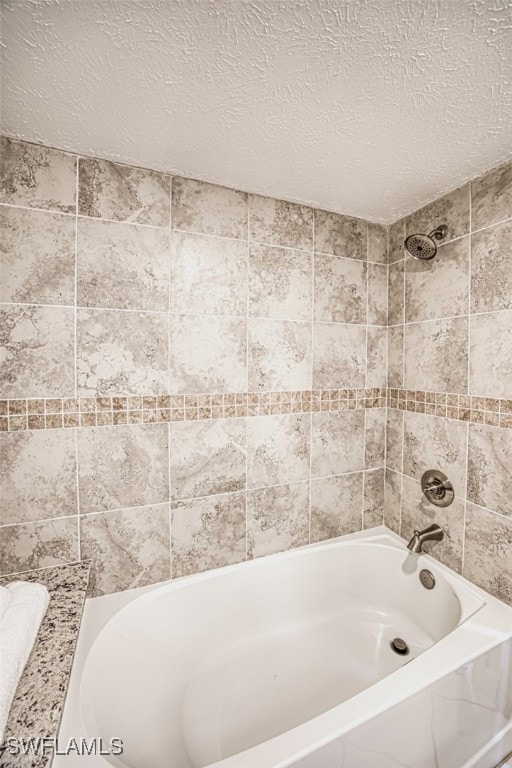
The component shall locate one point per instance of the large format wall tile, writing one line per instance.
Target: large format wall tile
(490, 468)
(336, 506)
(280, 283)
(277, 519)
(122, 266)
(207, 533)
(37, 257)
(377, 357)
(37, 475)
(123, 466)
(109, 190)
(419, 513)
(392, 500)
(377, 294)
(340, 235)
(38, 545)
(277, 449)
(491, 355)
(277, 222)
(487, 560)
(339, 356)
(491, 269)
(209, 275)
(396, 356)
(122, 353)
(491, 197)
(36, 351)
(340, 290)
(373, 501)
(436, 355)
(128, 547)
(207, 457)
(438, 288)
(396, 235)
(279, 355)
(377, 243)
(432, 442)
(396, 293)
(337, 442)
(208, 354)
(375, 438)
(452, 210)
(394, 439)
(37, 177)
(209, 209)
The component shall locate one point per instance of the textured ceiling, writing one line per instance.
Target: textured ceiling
(367, 107)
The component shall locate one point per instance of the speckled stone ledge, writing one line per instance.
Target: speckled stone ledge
(39, 700)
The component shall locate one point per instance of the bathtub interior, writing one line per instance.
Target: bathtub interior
(219, 663)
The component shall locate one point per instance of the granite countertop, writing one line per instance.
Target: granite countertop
(39, 700)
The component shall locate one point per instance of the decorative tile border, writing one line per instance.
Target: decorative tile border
(494, 411)
(61, 413)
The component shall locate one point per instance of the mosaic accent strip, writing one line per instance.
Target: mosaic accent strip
(61, 413)
(494, 411)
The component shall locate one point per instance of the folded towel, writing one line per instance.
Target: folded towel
(23, 612)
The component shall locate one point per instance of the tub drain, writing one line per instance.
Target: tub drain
(400, 646)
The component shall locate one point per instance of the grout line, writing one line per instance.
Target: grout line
(313, 308)
(248, 264)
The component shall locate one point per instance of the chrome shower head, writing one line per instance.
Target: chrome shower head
(424, 247)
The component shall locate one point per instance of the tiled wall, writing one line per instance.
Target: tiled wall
(190, 375)
(450, 379)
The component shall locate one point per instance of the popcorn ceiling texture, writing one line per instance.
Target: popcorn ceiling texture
(370, 108)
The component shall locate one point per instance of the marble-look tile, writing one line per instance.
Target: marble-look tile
(340, 235)
(419, 513)
(280, 283)
(122, 466)
(208, 354)
(209, 275)
(452, 210)
(279, 355)
(396, 234)
(38, 545)
(37, 256)
(491, 268)
(491, 197)
(121, 353)
(436, 355)
(339, 356)
(490, 468)
(438, 288)
(377, 294)
(277, 222)
(377, 243)
(208, 209)
(336, 506)
(36, 351)
(394, 439)
(37, 177)
(376, 364)
(373, 500)
(396, 292)
(396, 356)
(491, 354)
(277, 519)
(277, 449)
(207, 533)
(487, 559)
(122, 266)
(37, 475)
(337, 442)
(392, 500)
(435, 442)
(207, 457)
(340, 290)
(128, 547)
(109, 190)
(375, 438)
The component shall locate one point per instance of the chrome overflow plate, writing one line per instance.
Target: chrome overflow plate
(427, 579)
(437, 488)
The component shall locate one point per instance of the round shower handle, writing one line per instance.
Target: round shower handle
(437, 488)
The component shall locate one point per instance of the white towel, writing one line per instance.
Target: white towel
(23, 611)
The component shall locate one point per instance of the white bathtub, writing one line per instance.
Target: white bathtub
(286, 660)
